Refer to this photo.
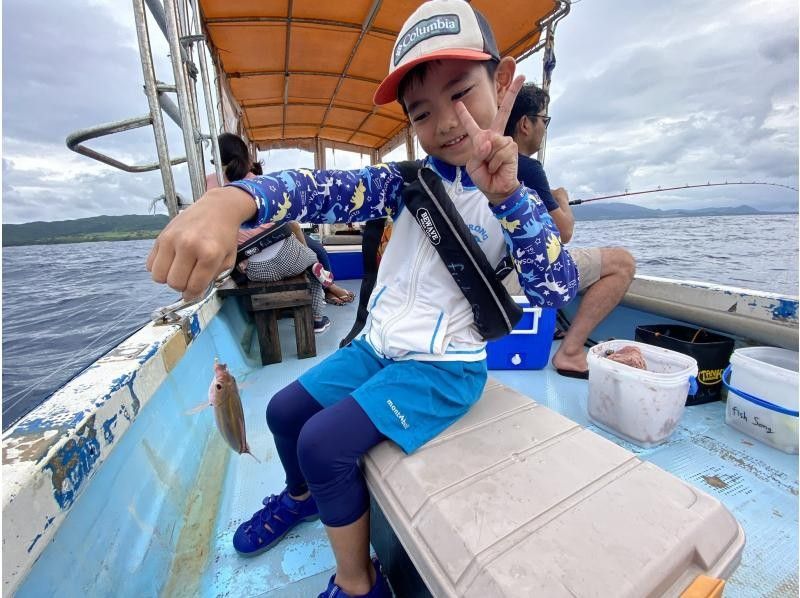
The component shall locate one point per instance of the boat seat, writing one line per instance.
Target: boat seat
(516, 500)
(265, 300)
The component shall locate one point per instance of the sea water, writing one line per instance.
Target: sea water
(66, 305)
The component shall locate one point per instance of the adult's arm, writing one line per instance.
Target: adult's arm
(562, 215)
(532, 175)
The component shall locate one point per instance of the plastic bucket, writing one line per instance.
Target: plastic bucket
(642, 406)
(763, 395)
(711, 351)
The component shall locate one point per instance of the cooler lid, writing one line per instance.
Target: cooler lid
(517, 500)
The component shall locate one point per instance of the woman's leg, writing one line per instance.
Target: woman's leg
(317, 297)
(319, 250)
(329, 449)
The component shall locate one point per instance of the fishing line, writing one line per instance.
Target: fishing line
(577, 202)
(105, 309)
(22, 394)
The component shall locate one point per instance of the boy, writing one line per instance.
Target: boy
(604, 273)
(420, 363)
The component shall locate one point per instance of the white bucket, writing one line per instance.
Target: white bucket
(763, 395)
(642, 406)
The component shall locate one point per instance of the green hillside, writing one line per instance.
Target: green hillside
(98, 228)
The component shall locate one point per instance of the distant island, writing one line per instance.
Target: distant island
(624, 211)
(83, 230)
(134, 226)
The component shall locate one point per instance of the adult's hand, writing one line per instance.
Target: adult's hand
(561, 196)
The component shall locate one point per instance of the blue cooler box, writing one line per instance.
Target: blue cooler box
(528, 345)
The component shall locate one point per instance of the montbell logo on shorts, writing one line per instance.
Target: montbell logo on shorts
(426, 29)
(424, 219)
(400, 417)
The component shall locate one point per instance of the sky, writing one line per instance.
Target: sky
(644, 94)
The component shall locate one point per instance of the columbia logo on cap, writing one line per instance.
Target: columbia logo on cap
(426, 29)
(437, 30)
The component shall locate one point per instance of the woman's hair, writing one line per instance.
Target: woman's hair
(235, 157)
(256, 168)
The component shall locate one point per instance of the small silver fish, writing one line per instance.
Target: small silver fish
(223, 395)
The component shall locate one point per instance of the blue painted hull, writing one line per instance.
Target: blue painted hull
(159, 515)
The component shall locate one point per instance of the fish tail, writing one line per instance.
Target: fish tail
(197, 409)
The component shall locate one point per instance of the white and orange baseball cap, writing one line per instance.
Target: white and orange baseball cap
(438, 29)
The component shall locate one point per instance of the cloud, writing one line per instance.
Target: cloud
(55, 83)
(644, 94)
(673, 93)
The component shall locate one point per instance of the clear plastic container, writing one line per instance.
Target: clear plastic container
(763, 396)
(641, 406)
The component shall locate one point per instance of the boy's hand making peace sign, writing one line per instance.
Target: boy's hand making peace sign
(493, 165)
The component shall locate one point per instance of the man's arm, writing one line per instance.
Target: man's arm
(562, 215)
(532, 175)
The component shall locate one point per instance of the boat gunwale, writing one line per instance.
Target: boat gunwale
(51, 453)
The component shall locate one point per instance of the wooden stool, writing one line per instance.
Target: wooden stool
(265, 300)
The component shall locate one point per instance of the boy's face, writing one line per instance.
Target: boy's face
(431, 107)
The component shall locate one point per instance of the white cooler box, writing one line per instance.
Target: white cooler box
(516, 500)
(763, 395)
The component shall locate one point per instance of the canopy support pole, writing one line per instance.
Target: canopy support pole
(548, 64)
(410, 153)
(319, 154)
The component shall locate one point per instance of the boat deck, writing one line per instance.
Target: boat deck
(758, 484)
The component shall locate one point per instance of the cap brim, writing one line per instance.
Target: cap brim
(387, 90)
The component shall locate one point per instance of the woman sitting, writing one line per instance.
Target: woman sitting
(285, 258)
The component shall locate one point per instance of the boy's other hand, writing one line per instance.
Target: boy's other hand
(200, 243)
(493, 165)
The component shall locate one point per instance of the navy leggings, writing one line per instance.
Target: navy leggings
(320, 449)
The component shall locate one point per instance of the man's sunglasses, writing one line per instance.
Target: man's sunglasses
(545, 119)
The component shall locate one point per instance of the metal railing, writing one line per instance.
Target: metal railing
(179, 21)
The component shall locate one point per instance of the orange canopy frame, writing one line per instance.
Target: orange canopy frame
(295, 73)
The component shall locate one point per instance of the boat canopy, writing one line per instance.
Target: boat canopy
(300, 73)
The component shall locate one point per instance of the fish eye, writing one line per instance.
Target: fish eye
(219, 386)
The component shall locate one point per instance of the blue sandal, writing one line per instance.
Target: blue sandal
(281, 513)
(379, 590)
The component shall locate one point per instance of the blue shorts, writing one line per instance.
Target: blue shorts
(408, 401)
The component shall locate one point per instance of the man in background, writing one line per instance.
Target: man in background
(604, 273)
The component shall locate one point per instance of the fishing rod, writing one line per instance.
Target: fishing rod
(576, 202)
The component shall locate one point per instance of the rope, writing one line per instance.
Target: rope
(26, 392)
(576, 202)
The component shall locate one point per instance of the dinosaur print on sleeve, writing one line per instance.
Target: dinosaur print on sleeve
(325, 196)
(546, 271)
